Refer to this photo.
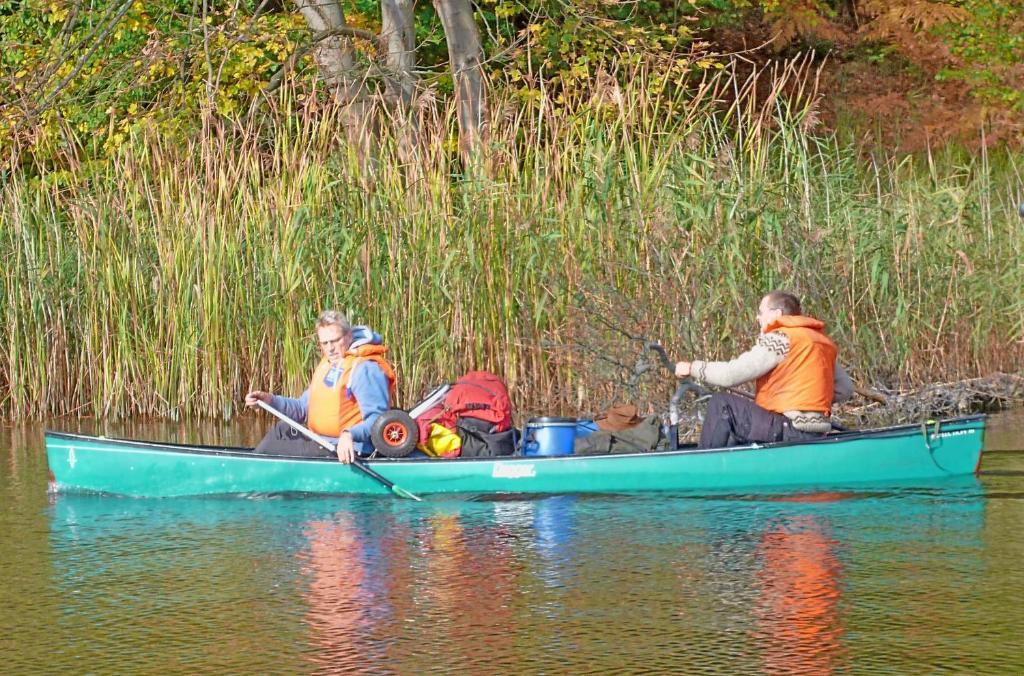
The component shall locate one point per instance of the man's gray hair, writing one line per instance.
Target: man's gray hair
(334, 318)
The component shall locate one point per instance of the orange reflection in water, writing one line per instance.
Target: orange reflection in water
(336, 599)
(365, 584)
(469, 584)
(797, 615)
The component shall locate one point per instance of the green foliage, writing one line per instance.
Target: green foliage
(83, 79)
(990, 47)
(79, 79)
(528, 41)
(538, 41)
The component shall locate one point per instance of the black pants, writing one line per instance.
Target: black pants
(283, 440)
(732, 420)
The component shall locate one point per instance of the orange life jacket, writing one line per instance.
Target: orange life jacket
(804, 381)
(332, 408)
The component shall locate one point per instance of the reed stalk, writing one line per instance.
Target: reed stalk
(184, 271)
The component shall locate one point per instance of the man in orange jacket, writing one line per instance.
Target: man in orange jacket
(351, 386)
(798, 379)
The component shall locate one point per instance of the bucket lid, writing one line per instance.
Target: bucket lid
(551, 420)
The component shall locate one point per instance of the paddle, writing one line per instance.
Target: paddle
(357, 463)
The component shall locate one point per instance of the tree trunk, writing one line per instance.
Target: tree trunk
(465, 55)
(398, 33)
(335, 59)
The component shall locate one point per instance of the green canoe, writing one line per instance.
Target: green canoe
(908, 453)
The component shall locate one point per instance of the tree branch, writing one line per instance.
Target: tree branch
(289, 64)
(80, 65)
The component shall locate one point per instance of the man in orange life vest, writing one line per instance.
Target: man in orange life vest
(797, 375)
(351, 386)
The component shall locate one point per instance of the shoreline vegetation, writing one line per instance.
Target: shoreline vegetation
(171, 278)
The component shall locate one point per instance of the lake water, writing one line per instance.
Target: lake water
(917, 580)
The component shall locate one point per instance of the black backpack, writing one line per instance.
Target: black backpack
(479, 441)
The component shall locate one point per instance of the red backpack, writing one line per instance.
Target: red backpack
(478, 394)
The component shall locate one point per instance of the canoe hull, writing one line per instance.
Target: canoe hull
(898, 454)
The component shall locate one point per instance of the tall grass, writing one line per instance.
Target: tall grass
(186, 271)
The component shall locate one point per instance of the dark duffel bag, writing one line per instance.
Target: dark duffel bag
(478, 441)
(640, 438)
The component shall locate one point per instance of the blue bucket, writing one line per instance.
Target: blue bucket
(549, 436)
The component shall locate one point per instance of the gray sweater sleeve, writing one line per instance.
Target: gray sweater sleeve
(767, 353)
(296, 409)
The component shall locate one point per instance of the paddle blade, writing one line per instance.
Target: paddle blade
(402, 493)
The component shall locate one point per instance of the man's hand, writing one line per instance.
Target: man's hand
(346, 450)
(683, 369)
(257, 396)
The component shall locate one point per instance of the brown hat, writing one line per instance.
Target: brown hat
(618, 417)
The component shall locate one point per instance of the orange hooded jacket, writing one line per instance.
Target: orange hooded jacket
(804, 381)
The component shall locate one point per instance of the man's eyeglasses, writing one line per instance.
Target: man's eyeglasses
(330, 343)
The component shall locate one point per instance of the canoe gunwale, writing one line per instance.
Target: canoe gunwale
(908, 430)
